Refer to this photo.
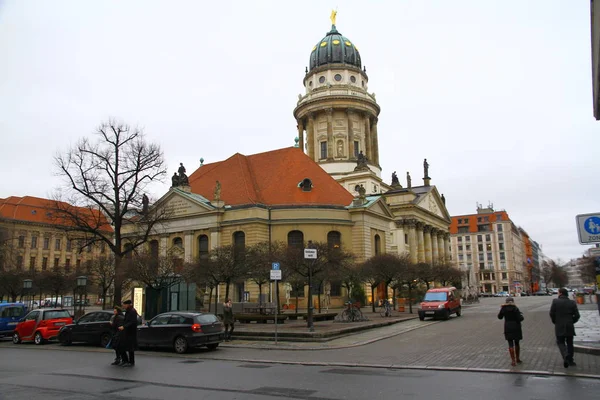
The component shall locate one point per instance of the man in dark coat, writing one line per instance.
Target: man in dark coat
(564, 315)
(129, 339)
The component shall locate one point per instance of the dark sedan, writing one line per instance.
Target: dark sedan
(94, 327)
(181, 330)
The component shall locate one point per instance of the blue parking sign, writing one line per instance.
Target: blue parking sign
(275, 266)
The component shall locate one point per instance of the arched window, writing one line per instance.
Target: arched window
(334, 240)
(203, 247)
(239, 244)
(377, 245)
(178, 242)
(296, 239)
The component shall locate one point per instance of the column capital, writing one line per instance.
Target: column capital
(427, 228)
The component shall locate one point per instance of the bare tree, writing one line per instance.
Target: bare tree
(103, 275)
(259, 259)
(448, 274)
(226, 264)
(546, 271)
(556, 273)
(587, 268)
(107, 178)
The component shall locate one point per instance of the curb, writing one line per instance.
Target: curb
(586, 349)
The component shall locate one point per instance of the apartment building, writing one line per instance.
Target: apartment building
(490, 249)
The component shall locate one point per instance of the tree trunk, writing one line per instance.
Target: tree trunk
(297, 303)
(226, 290)
(104, 290)
(410, 299)
(373, 297)
(210, 299)
(260, 285)
(319, 295)
(119, 278)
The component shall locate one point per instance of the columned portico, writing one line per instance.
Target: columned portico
(427, 242)
(420, 242)
(434, 245)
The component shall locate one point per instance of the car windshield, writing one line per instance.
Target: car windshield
(57, 314)
(206, 318)
(435, 296)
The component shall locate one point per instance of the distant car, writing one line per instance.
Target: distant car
(501, 294)
(554, 290)
(10, 314)
(181, 331)
(486, 294)
(542, 293)
(41, 325)
(93, 327)
(440, 302)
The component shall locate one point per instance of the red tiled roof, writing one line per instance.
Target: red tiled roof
(42, 211)
(269, 178)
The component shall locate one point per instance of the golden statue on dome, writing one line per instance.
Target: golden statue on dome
(332, 17)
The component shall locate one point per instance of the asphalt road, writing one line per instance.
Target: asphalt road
(54, 374)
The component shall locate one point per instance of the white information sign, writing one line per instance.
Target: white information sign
(275, 274)
(310, 254)
(588, 228)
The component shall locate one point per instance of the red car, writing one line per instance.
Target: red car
(41, 325)
(440, 302)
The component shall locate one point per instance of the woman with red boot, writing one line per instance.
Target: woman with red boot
(512, 328)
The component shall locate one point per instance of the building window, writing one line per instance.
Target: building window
(68, 265)
(356, 148)
(34, 242)
(335, 288)
(467, 238)
(56, 260)
(406, 238)
(321, 79)
(239, 245)
(502, 256)
(460, 257)
(57, 244)
(21, 242)
(44, 263)
(500, 246)
(502, 265)
(468, 247)
(353, 79)
(480, 247)
(460, 221)
(31, 263)
(69, 244)
(460, 248)
(489, 257)
(481, 266)
(504, 276)
(377, 245)
(203, 247)
(487, 238)
(479, 238)
(469, 257)
(178, 242)
(499, 227)
(459, 239)
(481, 257)
(19, 263)
(323, 150)
(296, 239)
(488, 246)
(334, 240)
(463, 229)
(337, 77)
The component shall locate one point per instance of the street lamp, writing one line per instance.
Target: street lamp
(27, 285)
(81, 285)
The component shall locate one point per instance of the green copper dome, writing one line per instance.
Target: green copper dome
(334, 49)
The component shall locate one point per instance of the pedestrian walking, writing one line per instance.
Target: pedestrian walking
(115, 322)
(228, 319)
(564, 315)
(512, 328)
(129, 335)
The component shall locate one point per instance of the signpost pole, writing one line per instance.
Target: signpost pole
(276, 277)
(310, 254)
(276, 307)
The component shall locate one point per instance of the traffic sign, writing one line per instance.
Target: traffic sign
(310, 254)
(588, 228)
(275, 274)
(595, 251)
(275, 265)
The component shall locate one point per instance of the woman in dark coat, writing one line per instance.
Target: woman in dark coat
(512, 328)
(228, 319)
(115, 322)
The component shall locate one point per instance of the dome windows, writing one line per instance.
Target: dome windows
(310, 84)
(348, 43)
(337, 77)
(323, 44)
(321, 79)
(353, 79)
(336, 42)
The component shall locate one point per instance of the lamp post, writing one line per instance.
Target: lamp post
(81, 286)
(27, 285)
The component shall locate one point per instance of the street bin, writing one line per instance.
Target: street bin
(401, 302)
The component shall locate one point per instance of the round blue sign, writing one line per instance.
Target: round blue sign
(592, 225)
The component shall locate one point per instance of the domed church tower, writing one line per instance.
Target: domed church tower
(337, 117)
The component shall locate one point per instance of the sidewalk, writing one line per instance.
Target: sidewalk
(588, 330)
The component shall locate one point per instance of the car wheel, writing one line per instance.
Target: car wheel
(447, 314)
(104, 339)
(458, 312)
(16, 338)
(38, 338)
(65, 339)
(180, 345)
(212, 346)
(422, 317)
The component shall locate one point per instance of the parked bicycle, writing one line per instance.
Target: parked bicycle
(352, 313)
(386, 309)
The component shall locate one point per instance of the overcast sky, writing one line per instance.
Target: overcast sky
(496, 94)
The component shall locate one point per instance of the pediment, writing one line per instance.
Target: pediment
(381, 208)
(433, 203)
(178, 204)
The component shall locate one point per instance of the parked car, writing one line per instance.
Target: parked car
(486, 294)
(41, 325)
(501, 294)
(10, 314)
(440, 302)
(181, 331)
(93, 327)
(542, 293)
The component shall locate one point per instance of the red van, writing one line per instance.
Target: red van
(440, 303)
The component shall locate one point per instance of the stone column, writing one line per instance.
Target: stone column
(412, 239)
(368, 150)
(349, 114)
(435, 255)
(163, 246)
(330, 144)
(427, 242)
(188, 244)
(420, 242)
(310, 136)
(375, 143)
(446, 244)
(300, 127)
(441, 250)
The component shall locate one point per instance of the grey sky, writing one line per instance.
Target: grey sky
(496, 94)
